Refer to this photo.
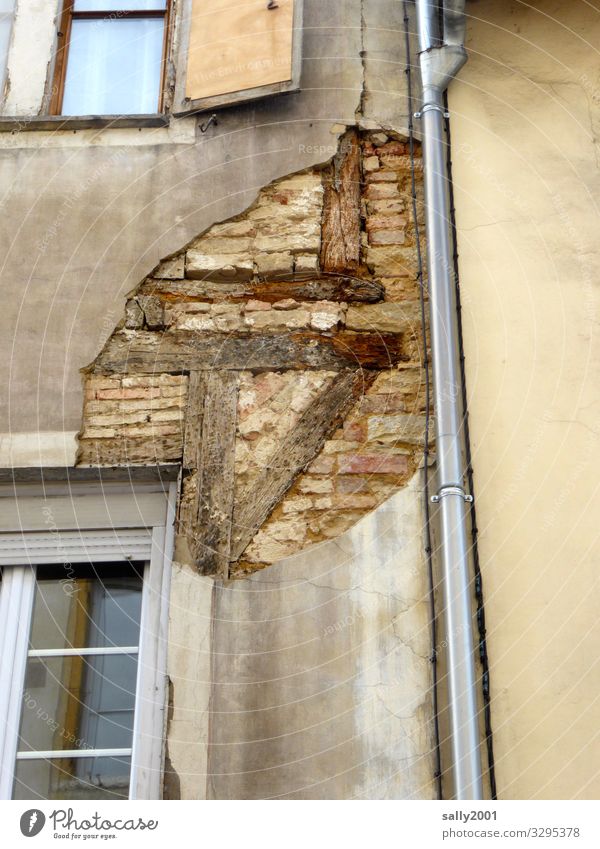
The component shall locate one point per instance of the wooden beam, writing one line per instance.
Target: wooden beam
(297, 449)
(176, 351)
(340, 239)
(192, 439)
(327, 288)
(209, 451)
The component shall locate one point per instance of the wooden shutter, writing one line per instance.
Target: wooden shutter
(232, 51)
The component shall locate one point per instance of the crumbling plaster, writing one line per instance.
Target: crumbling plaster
(87, 222)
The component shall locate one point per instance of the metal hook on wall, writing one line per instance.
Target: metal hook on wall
(211, 121)
(272, 5)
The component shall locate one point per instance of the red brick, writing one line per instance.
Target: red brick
(370, 464)
(386, 222)
(394, 147)
(355, 432)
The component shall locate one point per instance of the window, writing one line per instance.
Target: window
(83, 641)
(7, 14)
(77, 712)
(111, 57)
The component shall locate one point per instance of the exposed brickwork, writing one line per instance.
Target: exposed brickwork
(132, 419)
(376, 451)
(259, 273)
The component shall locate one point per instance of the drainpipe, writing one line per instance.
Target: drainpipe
(441, 56)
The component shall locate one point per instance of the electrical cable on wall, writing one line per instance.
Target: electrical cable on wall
(426, 448)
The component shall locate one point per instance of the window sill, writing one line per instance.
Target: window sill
(14, 124)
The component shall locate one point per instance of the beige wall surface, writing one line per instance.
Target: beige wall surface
(526, 118)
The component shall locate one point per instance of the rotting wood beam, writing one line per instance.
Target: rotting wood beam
(177, 351)
(209, 451)
(297, 449)
(327, 288)
(340, 229)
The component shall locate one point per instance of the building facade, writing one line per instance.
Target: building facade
(221, 573)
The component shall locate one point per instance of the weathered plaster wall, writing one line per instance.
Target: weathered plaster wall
(320, 672)
(525, 131)
(266, 281)
(87, 214)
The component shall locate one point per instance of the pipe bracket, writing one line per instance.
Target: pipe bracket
(451, 490)
(431, 107)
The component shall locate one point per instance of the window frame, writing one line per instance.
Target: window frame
(63, 42)
(145, 538)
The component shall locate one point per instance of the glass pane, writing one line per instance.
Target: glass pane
(73, 778)
(117, 5)
(114, 67)
(6, 22)
(75, 608)
(78, 703)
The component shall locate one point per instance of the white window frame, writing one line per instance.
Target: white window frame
(147, 516)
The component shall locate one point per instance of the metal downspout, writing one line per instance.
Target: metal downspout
(441, 56)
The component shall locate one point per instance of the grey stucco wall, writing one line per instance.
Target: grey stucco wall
(87, 214)
(315, 680)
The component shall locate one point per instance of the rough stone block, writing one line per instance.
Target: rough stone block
(381, 191)
(326, 315)
(400, 427)
(134, 316)
(256, 306)
(274, 264)
(315, 485)
(224, 245)
(379, 207)
(307, 263)
(278, 319)
(322, 466)
(370, 163)
(382, 177)
(370, 464)
(202, 266)
(388, 318)
(171, 269)
(387, 237)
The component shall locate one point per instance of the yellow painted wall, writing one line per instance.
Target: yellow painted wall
(526, 124)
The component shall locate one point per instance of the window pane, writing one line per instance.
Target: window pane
(6, 21)
(78, 610)
(117, 5)
(78, 703)
(73, 778)
(114, 67)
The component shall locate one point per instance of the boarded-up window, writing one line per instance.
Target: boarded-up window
(236, 50)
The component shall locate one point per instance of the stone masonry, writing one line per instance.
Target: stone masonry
(264, 275)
